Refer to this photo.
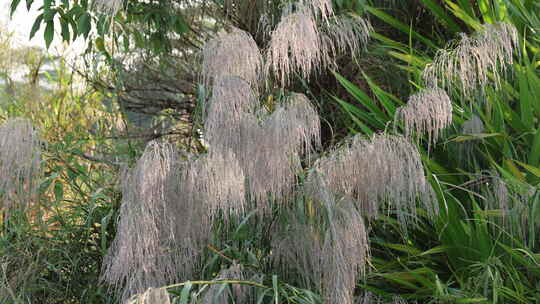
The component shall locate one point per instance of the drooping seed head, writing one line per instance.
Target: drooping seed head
(469, 64)
(233, 53)
(345, 34)
(381, 169)
(150, 248)
(429, 111)
(332, 252)
(295, 47)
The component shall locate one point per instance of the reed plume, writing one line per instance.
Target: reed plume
(293, 126)
(332, 251)
(150, 248)
(233, 53)
(428, 111)
(345, 34)
(20, 160)
(232, 100)
(295, 47)
(308, 38)
(468, 65)
(383, 168)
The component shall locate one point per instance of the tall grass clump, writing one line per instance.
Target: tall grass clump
(173, 203)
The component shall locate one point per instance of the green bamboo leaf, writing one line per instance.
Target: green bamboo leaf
(473, 137)
(84, 24)
(440, 13)
(363, 99)
(58, 191)
(534, 154)
(13, 8)
(64, 24)
(36, 26)
(400, 26)
(525, 99)
(403, 248)
(534, 170)
(49, 33)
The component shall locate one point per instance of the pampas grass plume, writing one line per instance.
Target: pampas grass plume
(428, 111)
(467, 66)
(233, 53)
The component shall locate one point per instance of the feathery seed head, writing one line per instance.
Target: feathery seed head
(295, 46)
(468, 66)
(232, 100)
(322, 8)
(428, 111)
(150, 248)
(346, 34)
(332, 253)
(384, 168)
(232, 54)
(222, 183)
(19, 163)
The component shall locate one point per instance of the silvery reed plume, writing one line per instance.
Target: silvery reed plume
(428, 111)
(140, 256)
(470, 62)
(233, 53)
(383, 169)
(252, 135)
(332, 251)
(299, 45)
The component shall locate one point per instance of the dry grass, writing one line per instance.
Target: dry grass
(475, 61)
(429, 111)
(20, 160)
